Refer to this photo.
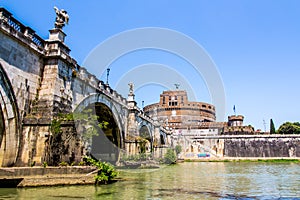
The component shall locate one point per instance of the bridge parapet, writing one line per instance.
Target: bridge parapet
(16, 28)
(154, 122)
(99, 86)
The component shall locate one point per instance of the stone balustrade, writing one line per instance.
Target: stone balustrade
(8, 21)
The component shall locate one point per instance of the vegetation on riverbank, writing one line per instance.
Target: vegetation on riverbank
(170, 157)
(136, 157)
(106, 172)
(146, 161)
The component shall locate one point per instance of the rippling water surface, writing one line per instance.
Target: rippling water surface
(185, 181)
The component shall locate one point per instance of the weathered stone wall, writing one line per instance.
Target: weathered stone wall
(262, 147)
(24, 67)
(33, 142)
(65, 146)
(39, 145)
(19, 54)
(21, 60)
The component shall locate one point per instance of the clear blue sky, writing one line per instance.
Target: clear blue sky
(254, 44)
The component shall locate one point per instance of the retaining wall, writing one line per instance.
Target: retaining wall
(262, 147)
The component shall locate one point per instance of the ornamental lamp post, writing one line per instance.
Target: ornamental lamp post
(107, 75)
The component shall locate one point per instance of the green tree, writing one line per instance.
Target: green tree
(170, 157)
(289, 128)
(178, 149)
(90, 123)
(272, 127)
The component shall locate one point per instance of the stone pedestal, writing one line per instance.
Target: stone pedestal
(131, 101)
(57, 35)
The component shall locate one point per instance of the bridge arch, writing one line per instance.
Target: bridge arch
(146, 133)
(110, 138)
(163, 138)
(9, 122)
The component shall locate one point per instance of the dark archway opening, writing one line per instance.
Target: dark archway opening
(146, 142)
(106, 144)
(162, 140)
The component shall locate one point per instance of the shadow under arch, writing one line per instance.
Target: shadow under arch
(163, 138)
(2, 126)
(147, 145)
(9, 122)
(108, 141)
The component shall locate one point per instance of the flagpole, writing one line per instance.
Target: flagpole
(234, 110)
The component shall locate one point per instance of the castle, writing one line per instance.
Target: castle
(175, 112)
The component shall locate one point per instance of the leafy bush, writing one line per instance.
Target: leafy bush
(55, 126)
(81, 163)
(170, 157)
(32, 164)
(106, 171)
(178, 149)
(45, 164)
(63, 163)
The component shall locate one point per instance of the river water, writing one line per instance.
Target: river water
(198, 180)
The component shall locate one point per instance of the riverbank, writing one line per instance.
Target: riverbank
(12, 177)
(245, 159)
(46, 176)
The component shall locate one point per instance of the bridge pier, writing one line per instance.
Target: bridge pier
(53, 97)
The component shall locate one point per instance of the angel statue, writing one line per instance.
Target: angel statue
(131, 88)
(62, 18)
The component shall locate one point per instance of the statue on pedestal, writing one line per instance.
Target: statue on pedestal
(131, 88)
(62, 18)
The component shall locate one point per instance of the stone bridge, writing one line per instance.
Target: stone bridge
(41, 86)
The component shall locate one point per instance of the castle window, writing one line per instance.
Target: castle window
(164, 100)
(172, 103)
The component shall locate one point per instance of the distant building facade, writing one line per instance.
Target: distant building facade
(235, 126)
(190, 121)
(175, 111)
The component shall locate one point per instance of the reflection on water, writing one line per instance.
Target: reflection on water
(184, 181)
